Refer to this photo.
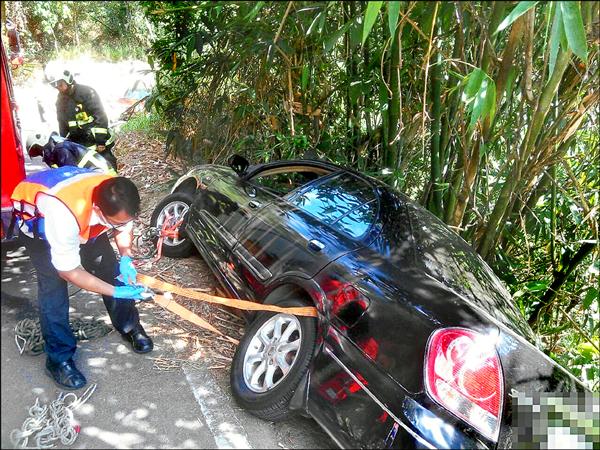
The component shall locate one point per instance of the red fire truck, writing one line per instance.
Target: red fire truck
(13, 160)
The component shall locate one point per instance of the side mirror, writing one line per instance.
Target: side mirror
(238, 163)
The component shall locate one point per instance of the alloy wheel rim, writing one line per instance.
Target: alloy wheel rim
(176, 210)
(272, 352)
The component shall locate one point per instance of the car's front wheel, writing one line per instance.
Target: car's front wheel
(271, 360)
(170, 212)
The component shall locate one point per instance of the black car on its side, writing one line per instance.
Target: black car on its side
(417, 343)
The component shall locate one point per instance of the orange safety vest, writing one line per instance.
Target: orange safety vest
(73, 186)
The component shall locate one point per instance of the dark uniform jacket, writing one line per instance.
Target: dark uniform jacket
(58, 153)
(81, 116)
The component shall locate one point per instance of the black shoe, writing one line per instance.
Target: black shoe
(65, 374)
(140, 341)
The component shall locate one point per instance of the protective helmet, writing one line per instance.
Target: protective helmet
(35, 144)
(64, 75)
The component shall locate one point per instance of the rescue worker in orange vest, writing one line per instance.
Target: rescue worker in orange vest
(64, 215)
(81, 116)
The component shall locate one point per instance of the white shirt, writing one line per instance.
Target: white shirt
(62, 232)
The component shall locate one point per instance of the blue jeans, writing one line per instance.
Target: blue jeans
(98, 258)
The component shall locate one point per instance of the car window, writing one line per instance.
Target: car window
(343, 201)
(282, 181)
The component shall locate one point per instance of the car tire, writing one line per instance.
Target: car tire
(269, 400)
(177, 205)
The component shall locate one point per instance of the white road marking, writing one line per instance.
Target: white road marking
(225, 427)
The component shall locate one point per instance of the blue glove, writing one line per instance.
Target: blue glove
(127, 270)
(128, 292)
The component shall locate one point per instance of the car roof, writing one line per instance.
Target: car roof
(254, 169)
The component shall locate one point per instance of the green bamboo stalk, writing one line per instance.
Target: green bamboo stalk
(501, 212)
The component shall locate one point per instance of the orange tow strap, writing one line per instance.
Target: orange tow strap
(153, 283)
(184, 313)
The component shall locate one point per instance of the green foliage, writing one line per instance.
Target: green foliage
(573, 26)
(106, 52)
(478, 111)
(393, 13)
(568, 32)
(147, 123)
(108, 29)
(480, 96)
(518, 11)
(370, 16)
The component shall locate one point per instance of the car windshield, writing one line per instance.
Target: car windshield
(282, 182)
(342, 201)
(450, 260)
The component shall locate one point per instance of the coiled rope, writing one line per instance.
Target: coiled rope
(47, 424)
(28, 333)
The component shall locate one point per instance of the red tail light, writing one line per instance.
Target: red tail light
(463, 374)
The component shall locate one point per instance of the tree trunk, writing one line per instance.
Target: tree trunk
(495, 222)
(560, 278)
(394, 124)
(436, 162)
(470, 168)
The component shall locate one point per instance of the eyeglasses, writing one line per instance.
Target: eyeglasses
(115, 226)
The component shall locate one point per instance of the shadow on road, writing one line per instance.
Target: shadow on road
(134, 405)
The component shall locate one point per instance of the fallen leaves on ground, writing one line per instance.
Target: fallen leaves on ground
(142, 159)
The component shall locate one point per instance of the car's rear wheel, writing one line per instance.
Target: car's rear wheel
(173, 209)
(271, 360)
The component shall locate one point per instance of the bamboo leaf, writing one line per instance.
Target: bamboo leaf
(557, 38)
(314, 23)
(592, 294)
(370, 17)
(473, 80)
(510, 83)
(480, 96)
(305, 72)
(354, 91)
(478, 103)
(356, 32)
(520, 9)
(536, 286)
(322, 21)
(490, 100)
(191, 46)
(573, 27)
(393, 13)
(335, 37)
(252, 14)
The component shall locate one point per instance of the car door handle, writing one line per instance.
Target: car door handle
(254, 204)
(315, 245)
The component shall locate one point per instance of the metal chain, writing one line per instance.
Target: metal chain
(28, 333)
(49, 423)
(145, 243)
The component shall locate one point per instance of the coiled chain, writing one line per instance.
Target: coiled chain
(47, 424)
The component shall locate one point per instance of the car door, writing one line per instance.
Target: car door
(300, 233)
(217, 217)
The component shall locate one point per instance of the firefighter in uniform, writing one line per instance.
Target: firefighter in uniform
(81, 116)
(57, 151)
(64, 215)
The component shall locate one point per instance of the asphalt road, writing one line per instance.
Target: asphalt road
(134, 405)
